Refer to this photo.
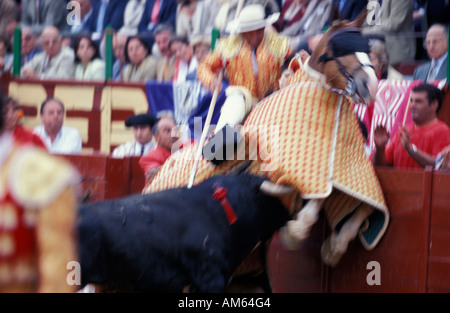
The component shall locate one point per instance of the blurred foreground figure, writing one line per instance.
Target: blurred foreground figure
(37, 217)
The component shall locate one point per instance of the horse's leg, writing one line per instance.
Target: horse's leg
(297, 230)
(336, 245)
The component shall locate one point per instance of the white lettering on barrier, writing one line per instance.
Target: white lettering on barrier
(374, 276)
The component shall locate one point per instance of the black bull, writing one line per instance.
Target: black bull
(170, 239)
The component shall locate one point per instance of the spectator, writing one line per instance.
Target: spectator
(8, 13)
(347, 9)
(132, 17)
(89, 66)
(291, 12)
(142, 65)
(437, 45)
(380, 61)
(395, 23)
(185, 62)
(201, 45)
(119, 43)
(420, 27)
(30, 45)
(379, 58)
(55, 62)
(38, 217)
(316, 17)
(416, 145)
(106, 13)
(195, 17)
(20, 134)
(81, 22)
(43, 13)
(142, 128)
(6, 56)
(58, 138)
(165, 139)
(156, 12)
(165, 68)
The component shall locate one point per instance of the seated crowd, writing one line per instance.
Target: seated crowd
(64, 51)
(165, 40)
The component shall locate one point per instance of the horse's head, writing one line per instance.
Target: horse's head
(342, 56)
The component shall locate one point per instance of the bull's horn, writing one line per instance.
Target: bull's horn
(276, 190)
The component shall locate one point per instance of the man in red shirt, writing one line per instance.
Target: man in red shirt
(416, 145)
(165, 138)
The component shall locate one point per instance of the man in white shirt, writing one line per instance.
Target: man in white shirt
(143, 133)
(58, 138)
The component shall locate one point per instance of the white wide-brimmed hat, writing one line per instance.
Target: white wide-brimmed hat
(251, 18)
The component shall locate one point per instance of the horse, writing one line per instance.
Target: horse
(348, 72)
(306, 135)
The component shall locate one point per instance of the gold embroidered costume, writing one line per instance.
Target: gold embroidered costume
(235, 54)
(37, 220)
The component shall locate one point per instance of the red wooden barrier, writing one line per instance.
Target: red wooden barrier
(103, 177)
(414, 254)
(439, 245)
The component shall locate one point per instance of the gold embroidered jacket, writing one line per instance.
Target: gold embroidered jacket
(235, 54)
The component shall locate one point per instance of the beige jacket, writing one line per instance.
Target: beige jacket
(61, 66)
(396, 23)
(145, 71)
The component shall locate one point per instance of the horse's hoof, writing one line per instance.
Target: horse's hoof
(330, 255)
(288, 240)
